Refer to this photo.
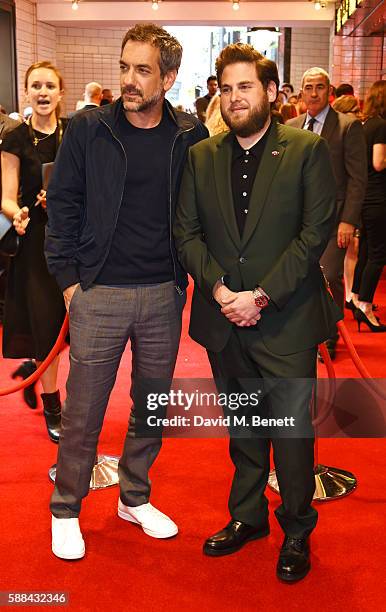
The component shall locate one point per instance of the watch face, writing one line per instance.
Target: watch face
(261, 301)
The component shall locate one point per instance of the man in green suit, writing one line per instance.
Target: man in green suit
(255, 213)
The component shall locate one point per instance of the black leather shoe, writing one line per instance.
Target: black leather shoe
(232, 538)
(294, 559)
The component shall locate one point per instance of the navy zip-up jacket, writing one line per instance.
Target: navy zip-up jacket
(86, 188)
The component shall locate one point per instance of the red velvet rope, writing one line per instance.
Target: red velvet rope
(363, 371)
(365, 374)
(44, 365)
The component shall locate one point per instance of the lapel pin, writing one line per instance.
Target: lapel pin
(274, 153)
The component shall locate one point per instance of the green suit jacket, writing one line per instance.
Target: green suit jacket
(290, 218)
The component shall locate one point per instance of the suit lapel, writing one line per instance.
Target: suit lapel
(222, 172)
(270, 162)
(330, 124)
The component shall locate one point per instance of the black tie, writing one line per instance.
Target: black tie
(311, 123)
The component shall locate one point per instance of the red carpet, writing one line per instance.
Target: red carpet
(126, 570)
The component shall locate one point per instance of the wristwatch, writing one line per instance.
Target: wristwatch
(261, 300)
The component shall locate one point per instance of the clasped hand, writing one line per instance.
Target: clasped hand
(238, 307)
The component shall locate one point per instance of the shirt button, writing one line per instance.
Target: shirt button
(242, 260)
(245, 175)
(245, 210)
(246, 152)
(245, 161)
(244, 193)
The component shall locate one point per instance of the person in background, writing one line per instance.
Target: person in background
(280, 100)
(27, 112)
(203, 103)
(34, 305)
(344, 89)
(347, 146)
(28, 367)
(349, 105)
(92, 98)
(332, 94)
(214, 121)
(372, 250)
(107, 97)
(288, 89)
(288, 111)
(6, 125)
(16, 116)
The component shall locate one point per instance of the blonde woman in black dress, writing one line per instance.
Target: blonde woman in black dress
(34, 306)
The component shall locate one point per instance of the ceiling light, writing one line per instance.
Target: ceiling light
(154, 5)
(75, 5)
(236, 5)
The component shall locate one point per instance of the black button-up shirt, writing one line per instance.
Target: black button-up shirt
(245, 164)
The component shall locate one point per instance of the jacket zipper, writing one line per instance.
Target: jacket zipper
(178, 134)
(123, 190)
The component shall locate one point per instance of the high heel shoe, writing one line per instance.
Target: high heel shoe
(350, 305)
(360, 317)
(24, 371)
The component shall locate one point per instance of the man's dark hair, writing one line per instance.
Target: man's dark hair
(266, 69)
(169, 47)
(289, 86)
(212, 77)
(344, 89)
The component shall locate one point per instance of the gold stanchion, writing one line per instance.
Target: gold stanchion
(330, 482)
(104, 473)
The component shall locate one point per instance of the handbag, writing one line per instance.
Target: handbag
(9, 238)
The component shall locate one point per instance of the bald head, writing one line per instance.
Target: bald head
(93, 93)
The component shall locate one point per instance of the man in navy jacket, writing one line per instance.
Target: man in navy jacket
(110, 208)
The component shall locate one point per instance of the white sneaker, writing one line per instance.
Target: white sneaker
(67, 541)
(153, 522)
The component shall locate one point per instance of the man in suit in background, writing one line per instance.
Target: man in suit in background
(255, 213)
(92, 97)
(348, 151)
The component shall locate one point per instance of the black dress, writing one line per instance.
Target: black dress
(34, 306)
(372, 246)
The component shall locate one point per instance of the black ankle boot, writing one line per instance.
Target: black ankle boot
(52, 414)
(24, 371)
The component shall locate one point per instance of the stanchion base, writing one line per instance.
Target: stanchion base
(104, 474)
(330, 483)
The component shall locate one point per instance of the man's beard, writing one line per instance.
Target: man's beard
(253, 123)
(145, 103)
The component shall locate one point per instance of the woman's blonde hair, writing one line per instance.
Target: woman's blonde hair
(214, 121)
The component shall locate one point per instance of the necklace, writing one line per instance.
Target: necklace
(58, 131)
(36, 140)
